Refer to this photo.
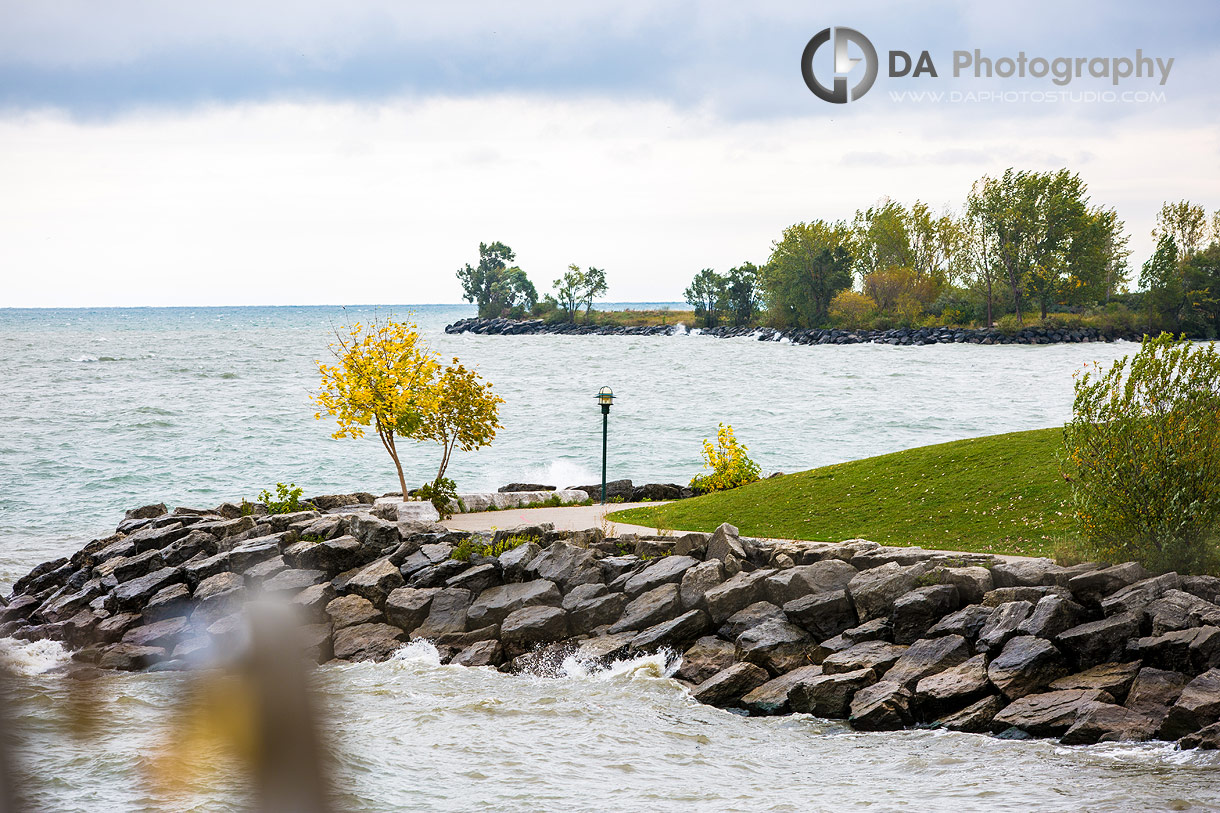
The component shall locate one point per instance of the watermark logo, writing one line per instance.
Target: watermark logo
(843, 65)
(1033, 71)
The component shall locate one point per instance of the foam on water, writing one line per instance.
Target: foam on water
(663, 664)
(32, 657)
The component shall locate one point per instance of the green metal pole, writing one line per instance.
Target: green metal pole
(605, 423)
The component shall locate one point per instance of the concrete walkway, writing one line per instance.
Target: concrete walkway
(570, 518)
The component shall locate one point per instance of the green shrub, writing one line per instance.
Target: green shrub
(469, 547)
(442, 494)
(731, 466)
(287, 499)
(1142, 454)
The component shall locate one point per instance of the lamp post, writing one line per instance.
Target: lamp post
(605, 397)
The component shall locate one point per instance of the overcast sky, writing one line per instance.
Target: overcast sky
(158, 153)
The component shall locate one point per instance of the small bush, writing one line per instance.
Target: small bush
(852, 310)
(442, 494)
(1142, 454)
(468, 547)
(287, 499)
(727, 459)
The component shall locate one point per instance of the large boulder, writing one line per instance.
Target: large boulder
(1051, 616)
(514, 560)
(975, 718)
(349, 611)
(725, 543)
(917, 611)
(1105, 722)
(884, 706)
(447, 613)
(134, 594)
(367, 642)
(408, 607)
(621, 489)
(829, 695)
(657, 605)
(1135, 597)
(972, 582)
(1001, 625)
(663, 571)
(876, 655)
(967, 622)
(793, 583)
(726, 686)
(697, 580)
(1029, 573)
(874, 591)
(1188, 650)
(591, 610)
(164, 634)
(954, 687)
(1003, 595)
(1025, 666)
(129, 657)
(1114, 679)
(1049, 714)
(772, 696)
(1099, 641)
(674, 634)
(376, 581)
(529, 626)
(734, 594)
(566, 565)
(778, 647)
(750, 617)
(496, 603)
(1179, 610)
(706, 657)
(333, 556)
(1093, 586)
(1197, 706)
(928, 656)
(823, 615)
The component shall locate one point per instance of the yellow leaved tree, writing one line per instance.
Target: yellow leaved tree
(385, 378)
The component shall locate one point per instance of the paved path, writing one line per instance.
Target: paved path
(571, 518)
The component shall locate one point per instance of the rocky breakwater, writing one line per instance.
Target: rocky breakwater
(885, 638)
(896, 336)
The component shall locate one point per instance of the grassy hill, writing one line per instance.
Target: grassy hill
(995, 494)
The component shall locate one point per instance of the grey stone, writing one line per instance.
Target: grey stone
(1205, 587)
(130, 657)
(972, 582)
(663, 571)
(350, 611)
(692, 544)
(1197, 706)
(749, 617)
(376, 581)
(1114, 679)
(1189, 650)
(729, 685)
(265, 569)
(954, 687)
(1001, 625)
(408, 607)
(253, 551)
(1029, 573)
(917, 611)
(1135, 597)
(202, 567)
(583, 592)
(1003, 595)
(1154, 690)
(879, 629)
(1095, 585)
(823, 615)
(529, 626)
(975, 718)
(1206, 738)
(1051, 616)
(725, 542)
(566, 565)
(734, 594)
(876, 655)
(447, 614)
(1049, 714)
(134, 594)
(1025, 666)
(496, 603)
(313, 600)
(1105, 722)
(676, 633)
(697, 581)
(772, 696)
(333, 556)
(151, 537)
(966, 622)
(514, 561)
(884, 706)
(1099, 641)
(778, 647)
(376, 535)
(126, 568)
(476, 579)
(706, 657)
(480, 653)
(592, 612)
(292, 581)
(617, 569)
(819, 577)
(367, 642)
(164, 633)
(829, 695)
(657, 605)
(167, 603)
(874, 591)
(928, 656)
(1179, 610)
(110, 630)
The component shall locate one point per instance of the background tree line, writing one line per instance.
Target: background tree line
(1025, 244)
(500, 290)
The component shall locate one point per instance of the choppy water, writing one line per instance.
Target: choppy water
(101, 410)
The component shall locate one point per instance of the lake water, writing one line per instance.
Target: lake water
(101, 410)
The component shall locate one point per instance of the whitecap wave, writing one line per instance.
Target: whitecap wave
(32, 657)
(424, 652)
(662, 664)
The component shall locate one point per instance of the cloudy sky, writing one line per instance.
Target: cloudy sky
(157, 153)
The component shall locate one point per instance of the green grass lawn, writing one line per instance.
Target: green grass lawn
(996, 494)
